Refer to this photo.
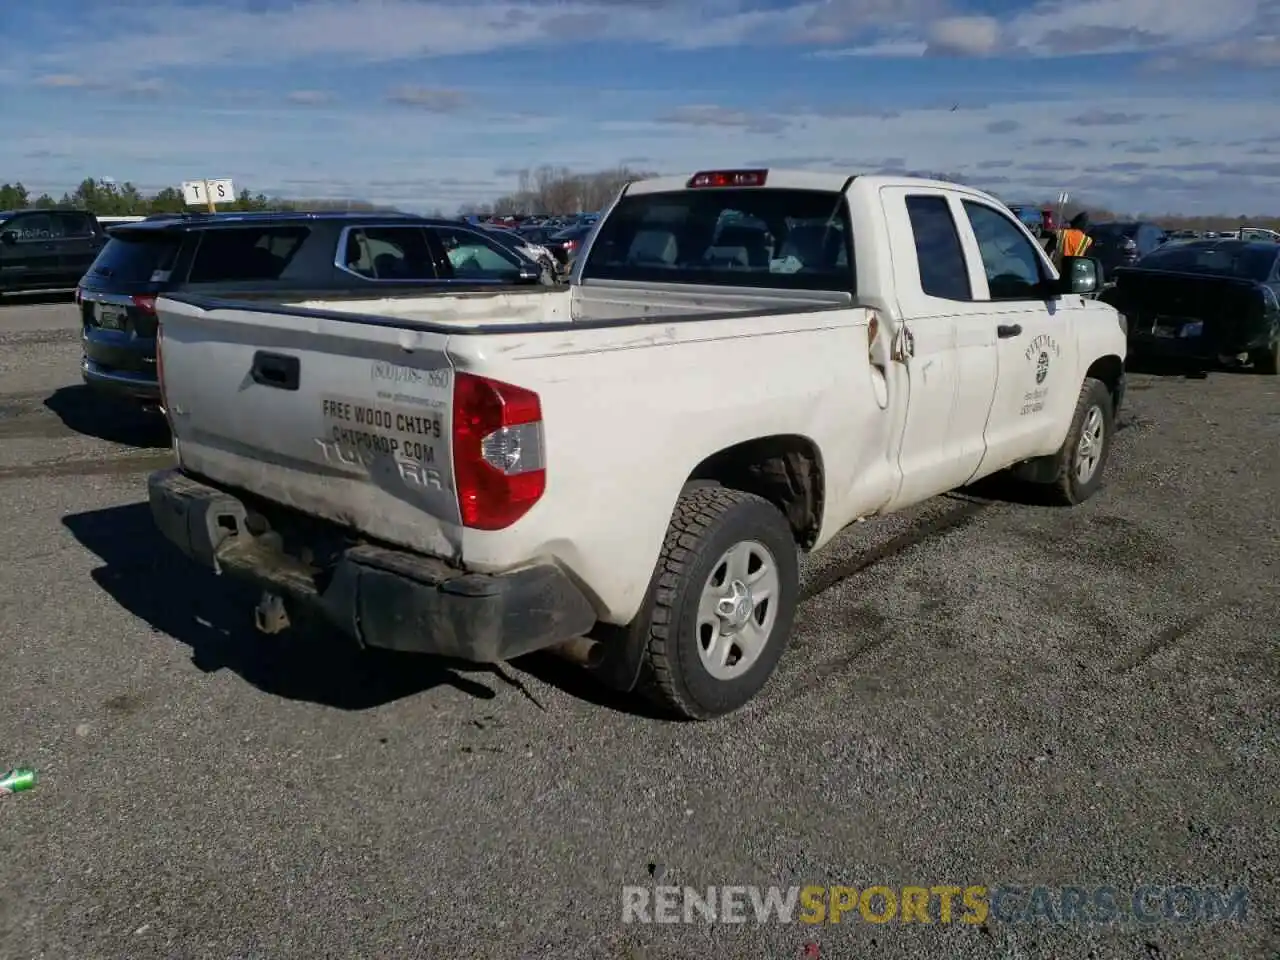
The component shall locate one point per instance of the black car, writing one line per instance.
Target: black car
(566, 244)
(1122, 244)
(1204, 300)
(46, 249)
(275, 256)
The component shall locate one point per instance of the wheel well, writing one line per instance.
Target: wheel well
(1109, 370)
(786, 470)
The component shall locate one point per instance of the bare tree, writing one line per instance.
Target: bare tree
(550, 190)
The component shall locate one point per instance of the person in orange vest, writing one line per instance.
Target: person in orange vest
(1074, 240)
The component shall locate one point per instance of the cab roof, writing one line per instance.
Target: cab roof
(831, 181)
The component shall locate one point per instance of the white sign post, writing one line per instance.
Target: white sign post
(208, 193)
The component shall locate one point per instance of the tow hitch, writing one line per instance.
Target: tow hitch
(270, 615)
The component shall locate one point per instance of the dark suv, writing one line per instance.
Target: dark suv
(46, 249)
(275, 256)
(1122, 244)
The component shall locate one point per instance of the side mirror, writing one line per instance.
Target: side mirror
(8, 238)
(1079, 275)
(529, 273)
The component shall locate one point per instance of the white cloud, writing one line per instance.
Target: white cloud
(1060, 27)
(119, 37)
(965, 36)
(62, 81)
(886, 48)
(310, 98)
(1238, 31)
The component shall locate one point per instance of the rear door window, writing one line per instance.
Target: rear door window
(474, 256)
(76, 225)
(389, 253)
(138, 256)
(943, 270)
(245, 254)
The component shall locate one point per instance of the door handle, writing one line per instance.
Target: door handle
(904, 345)
(275, 370)
(1007, 330)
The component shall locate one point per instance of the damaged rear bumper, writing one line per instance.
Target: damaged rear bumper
(382, 597)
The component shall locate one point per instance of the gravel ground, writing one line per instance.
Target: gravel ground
(980, 692)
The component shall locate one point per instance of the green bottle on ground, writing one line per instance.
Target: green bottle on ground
(15, 781)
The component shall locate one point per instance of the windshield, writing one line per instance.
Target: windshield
(1240, 260)
(742, 237)
(1114, 231)
(137, 257)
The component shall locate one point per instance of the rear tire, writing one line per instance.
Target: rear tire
(1083, 457)
(1266, 360)
(721, 604)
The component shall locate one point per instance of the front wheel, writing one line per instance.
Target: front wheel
(1266, 360)
(722, 603)
(1083, 455)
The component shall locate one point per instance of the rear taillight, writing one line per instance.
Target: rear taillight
(145, 302)
(499, 465)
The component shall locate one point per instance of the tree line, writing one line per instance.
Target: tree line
(107, 199)
(546, 190)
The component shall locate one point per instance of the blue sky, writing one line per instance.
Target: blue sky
(1144, 105)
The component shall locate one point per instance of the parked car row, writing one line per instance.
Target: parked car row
(560, 238)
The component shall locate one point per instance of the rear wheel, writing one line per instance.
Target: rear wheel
(1083, 456)
(1266, 360)
(722, 603)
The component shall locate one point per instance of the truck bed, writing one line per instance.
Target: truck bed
(542, 306)
(343, 409)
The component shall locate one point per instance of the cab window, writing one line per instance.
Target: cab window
(1011, 261)
(776, 238)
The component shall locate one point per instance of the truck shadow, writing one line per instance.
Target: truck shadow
(578, 683)
(212, 615)
(117, 421)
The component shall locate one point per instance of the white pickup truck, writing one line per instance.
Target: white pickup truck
(626, 469)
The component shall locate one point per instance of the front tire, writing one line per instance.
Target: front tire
(1266, 361)
(1083, 456)
(722, 603)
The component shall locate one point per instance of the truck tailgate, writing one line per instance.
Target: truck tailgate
(343, 419)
